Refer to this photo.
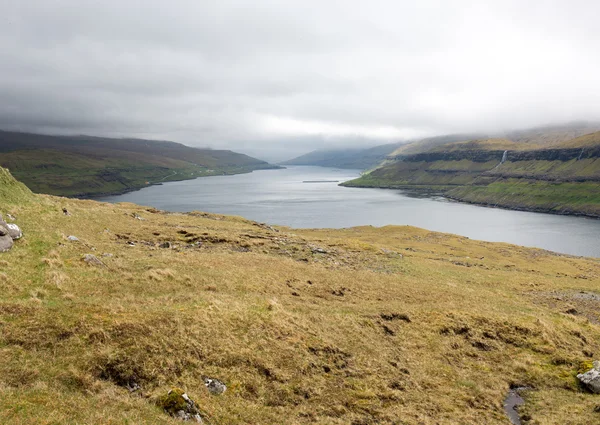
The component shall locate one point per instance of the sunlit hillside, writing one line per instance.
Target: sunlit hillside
(396, 325)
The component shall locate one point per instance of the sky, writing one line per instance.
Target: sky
(278, 78)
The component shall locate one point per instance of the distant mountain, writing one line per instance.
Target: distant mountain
(91, 166)
(362, 159)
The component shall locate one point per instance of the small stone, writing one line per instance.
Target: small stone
(66, 212)
(130, 243)
(73, 238)
(591, 378)
(93, 260)
(166, 245)
(215, 386)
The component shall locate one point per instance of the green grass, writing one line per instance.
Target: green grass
(563, 198)
(87, 166)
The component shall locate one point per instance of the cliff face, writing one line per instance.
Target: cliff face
(497, 155)
(559, 180)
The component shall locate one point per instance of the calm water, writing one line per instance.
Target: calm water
(307, 197)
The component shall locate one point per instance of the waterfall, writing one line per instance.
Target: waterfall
(502, 161)
(580, 154)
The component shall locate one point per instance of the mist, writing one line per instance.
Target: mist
(278, 79)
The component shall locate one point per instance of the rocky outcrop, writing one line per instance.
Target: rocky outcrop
(591, 378)
(179, 405)
(8, 234)
(482, 155)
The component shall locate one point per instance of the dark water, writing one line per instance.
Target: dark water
(285, 197)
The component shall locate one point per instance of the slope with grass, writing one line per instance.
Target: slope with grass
(86, 166)
(564, 179)
(396, 325)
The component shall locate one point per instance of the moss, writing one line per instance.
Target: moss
(173, 401)
(585, 366)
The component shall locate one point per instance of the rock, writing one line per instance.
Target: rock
(166, 245)
(66, 212)
(591, 378)
(14, 231)
(179, 405)
(93, 260)
(6, 241)
(73, 238)
(215, 386)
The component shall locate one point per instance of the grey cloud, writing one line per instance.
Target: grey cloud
(279, 77)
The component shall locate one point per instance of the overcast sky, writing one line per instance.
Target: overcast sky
(282, 77)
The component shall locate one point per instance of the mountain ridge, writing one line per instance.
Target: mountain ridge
(85, 166)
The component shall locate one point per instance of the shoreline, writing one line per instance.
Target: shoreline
(96, 196)
(440, 192)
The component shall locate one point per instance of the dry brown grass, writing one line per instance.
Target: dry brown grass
(395, 325)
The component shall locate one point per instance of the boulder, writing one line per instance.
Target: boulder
(591, 378)
(6, 241)
(179, 405)
(214, 386)
(14, 231)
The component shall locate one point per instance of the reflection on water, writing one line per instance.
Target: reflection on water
(281, 197)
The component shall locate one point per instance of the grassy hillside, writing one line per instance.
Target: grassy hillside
(358, 326)
(429, 143)
(552, 135)
(499, 172)
(359, 159)
(91, 166)
(12, 191)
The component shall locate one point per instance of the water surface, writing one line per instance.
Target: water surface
(308, 197)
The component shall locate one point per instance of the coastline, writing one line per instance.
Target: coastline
(440, 190)
(96, 195)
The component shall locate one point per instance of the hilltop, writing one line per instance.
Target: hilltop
(396, 325)
(83, 166)
(539, 172)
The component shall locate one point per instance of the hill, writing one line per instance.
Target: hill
(563, 179)
(424, 145)
(551, 135)
(354, 326)
(84, 166)
(358, 159)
